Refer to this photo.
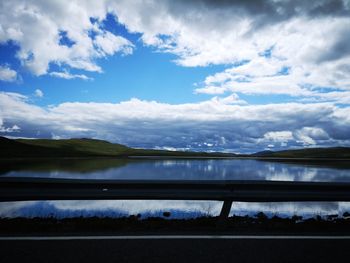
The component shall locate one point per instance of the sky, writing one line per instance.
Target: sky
(233, 76)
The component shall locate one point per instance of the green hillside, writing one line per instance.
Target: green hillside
(78, 147)
(332, 152)
(59, 148)
(48, 148)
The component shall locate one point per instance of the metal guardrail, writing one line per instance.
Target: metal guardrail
(20, 189)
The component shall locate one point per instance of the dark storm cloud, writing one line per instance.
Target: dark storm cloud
(340, 47)
(329, 7)
(263, 13)
(274, 9)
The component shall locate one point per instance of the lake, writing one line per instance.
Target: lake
(179, 169)
(172, 169)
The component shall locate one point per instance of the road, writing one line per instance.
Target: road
(177, 249)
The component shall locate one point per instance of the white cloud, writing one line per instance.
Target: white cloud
(305, 136)
(108, 44)
(37, 28)
(232, 99)
(310, 39)
(14, 128)
(210, 90)
(38, 93)
(273, 76)
(7, 74)
(201, 126)
(205, 32)
(279, 136)
(310, 135)
(307, 38)
(67, 75)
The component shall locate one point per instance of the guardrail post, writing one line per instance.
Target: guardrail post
(225, 211)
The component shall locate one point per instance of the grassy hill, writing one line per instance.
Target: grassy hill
(78, 147)
(58, 148)
(331, 152)
(47, 148)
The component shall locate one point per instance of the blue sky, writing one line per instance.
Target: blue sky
(146, 74)
(202, 75)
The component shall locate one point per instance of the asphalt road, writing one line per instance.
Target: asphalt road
(194, 249)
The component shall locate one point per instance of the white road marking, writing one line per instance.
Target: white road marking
(38, 238)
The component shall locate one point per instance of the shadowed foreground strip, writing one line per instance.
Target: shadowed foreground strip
(176, 250)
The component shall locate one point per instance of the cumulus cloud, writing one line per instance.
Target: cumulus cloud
(208, 125)
(305, 136)
(39, 29)
(108, 44)
(7, 130)
(7, 74)
(38, 93)
(270, 47)
(14, 128)
(214, 32)
(271, 76)
(279, 136)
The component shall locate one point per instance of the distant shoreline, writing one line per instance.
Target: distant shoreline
(131, 158)
(169, 157)
(92, 148)
(240, 157)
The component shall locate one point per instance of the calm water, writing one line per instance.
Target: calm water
(235, 169)
(228, 169)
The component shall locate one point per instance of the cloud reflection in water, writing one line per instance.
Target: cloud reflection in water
(156, 208)
(233, 169)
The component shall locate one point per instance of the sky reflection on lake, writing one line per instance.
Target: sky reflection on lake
(156, 208)
(171, 169)
(232, 169)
